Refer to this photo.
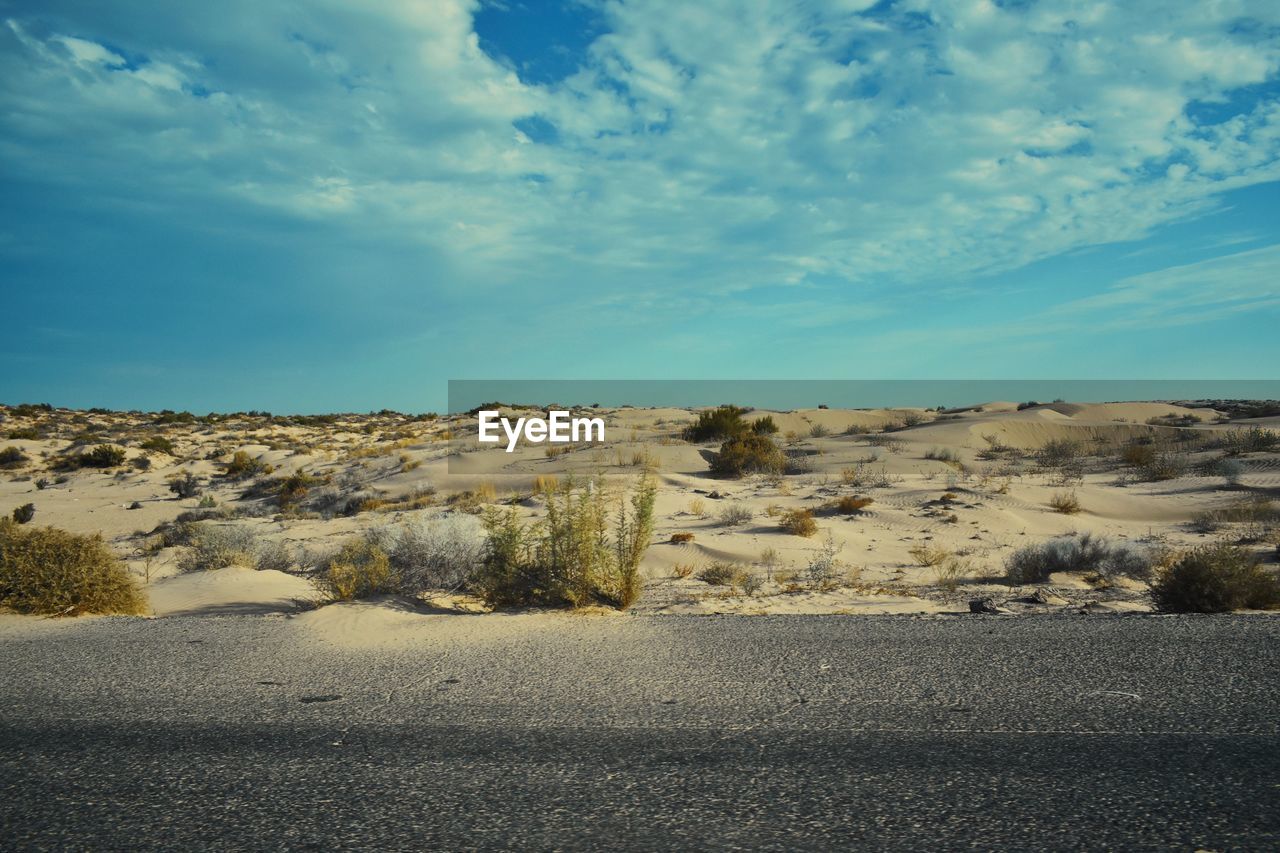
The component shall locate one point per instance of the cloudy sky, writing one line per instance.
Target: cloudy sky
(322, 205)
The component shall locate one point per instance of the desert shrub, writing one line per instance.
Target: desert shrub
(185, 485)
(745, 454)
(440, 553)
(12, 457)
(217, 546)
(943, 454)
(927, 555)
(577, 554)
(1029, 404)
(160, 444)
(359, 569)
(819, 431)
(50, 571)
(1215, 579)
(1251, 439)
(734, 514)
(852, 505)
(798, 462)
(1231, 470)
(1059, 453)
(824, 567)
(293, 489)
(23, 514)
(1256, 510)
(680, 538)
(764, 426)
(1163, 466)
(544, 483)
(1138, 454)
(1085, 553)
(718, 424)
(721, 573)
(102, 456)
(948, 573)
(243, 466)
(1065, 502)
(798, 522)
(21, 433)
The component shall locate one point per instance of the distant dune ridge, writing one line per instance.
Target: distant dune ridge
(913, 510)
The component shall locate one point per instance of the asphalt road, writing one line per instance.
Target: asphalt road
(1058, 732)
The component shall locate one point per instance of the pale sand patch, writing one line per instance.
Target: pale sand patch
(228, 591)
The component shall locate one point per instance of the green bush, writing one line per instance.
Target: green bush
(576, 555)
(1215, 579)
(50, 571)
(102, 456)
(160, 444)
(726, 422)
(12, 457)
(749, 453)
(243, 466)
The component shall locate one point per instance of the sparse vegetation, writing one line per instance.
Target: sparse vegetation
(852, 504)
(360, 569)
(734, 514)
(23, 514)
(217, 546)
(53, 572)
(1084, 553)
(927, 556)
(102, 456)
(1215, 579)
(185, 485)
(798, 522)
(1065, 502)
(576, 555)
(680, 538)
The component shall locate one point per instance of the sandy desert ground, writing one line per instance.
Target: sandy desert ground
(944, 498)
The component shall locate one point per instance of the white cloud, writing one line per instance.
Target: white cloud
(717, 144)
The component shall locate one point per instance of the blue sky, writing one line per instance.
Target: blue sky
(331, 206)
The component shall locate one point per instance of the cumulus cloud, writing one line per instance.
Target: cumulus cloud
(844, 145)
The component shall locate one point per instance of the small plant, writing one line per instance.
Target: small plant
(819, 431)
(698, 507)
(680, 538)
(734, 514)
(160, 444)
(1086, 553)
(852, 505)
(719, 424)
(360, 569)
(798, 522)
(721, 573)
(185, 485)
(102, 456)
(682, 570)
(747, 454)
(1215, 579)
(43, 483)
(24, 513)
(824, 568)
(1065, 502)
(53, 572)
(544, 483)
(928, 556)
(207, 502)
(243, 466)
(217, 546)
(944, 454)
(949, 571)
(12, 457)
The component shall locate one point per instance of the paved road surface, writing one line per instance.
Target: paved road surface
(771, 733)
